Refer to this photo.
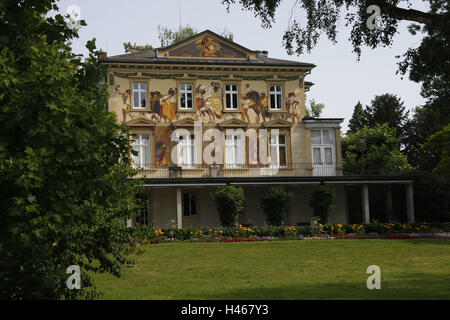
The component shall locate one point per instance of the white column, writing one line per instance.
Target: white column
(365, 203)
(179, 211)
(410, 203)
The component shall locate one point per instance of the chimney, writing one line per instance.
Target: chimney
(102, 55)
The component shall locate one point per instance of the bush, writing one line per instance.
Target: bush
(229, 203)
(275, 204)
(322, 200)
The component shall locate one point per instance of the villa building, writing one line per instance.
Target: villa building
(176, 99)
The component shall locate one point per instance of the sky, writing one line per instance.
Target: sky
(340, 79)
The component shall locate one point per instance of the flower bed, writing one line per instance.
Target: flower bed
(376, 230)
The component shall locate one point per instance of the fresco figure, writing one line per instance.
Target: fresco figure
(255, 101)
(208, 47)
(208, 103)
(216, 98)
(292, 105)
(156, 107)
(169, 105)
(201, 105)
(126, 101)
(162, 143)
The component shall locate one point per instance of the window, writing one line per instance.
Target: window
(322, 142)
(323, 152)
(187, 151)
(276, 93)
(189, 204)
(234, 151)
(278, 150)
(139, 95)
(231, 97)
(141, 144)
(144, 217)
(186, 96)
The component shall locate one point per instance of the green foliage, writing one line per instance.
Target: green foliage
(385, 108)
(168, 37)
(358, 120)
(373, 151)
(321, 201)
(128, 47)
(322, 17)
(431, 198)
(64, 161)
(315, 109)
(275, 204)
(229, 203)
(439, 143)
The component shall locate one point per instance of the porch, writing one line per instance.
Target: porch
(187, 201)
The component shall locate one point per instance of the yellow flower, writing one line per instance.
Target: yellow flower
(339, 225)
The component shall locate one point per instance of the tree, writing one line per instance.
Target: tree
(439, 143)
(229, 203)
(64, 160)
(128, 47)
(373, 151)
(358, 120)
(387, 108)
(167, 36)
(315, 109)
(322, 17)
(322, 200)
(426, 120)
(428, 63)
(275, 204)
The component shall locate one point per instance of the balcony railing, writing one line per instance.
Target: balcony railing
(153, 171)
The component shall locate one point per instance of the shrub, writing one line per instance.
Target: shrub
(275, 204)
(322, 200)
(229, 203)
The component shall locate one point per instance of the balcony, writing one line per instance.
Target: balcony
(260, 171)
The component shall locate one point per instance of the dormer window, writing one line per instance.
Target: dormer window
(276, 97)
(186, 96)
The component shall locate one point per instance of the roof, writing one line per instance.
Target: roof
(171, 55)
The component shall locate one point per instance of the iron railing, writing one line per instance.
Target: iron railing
(157, 171)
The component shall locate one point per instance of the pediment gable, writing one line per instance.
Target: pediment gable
(140, 122)
(186, 122)
(206, 44)
(277, 123)
(233, 123)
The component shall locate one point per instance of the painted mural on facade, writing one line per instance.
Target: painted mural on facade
(162, 143)
(207, 47)
(208, 105)
(208, 108)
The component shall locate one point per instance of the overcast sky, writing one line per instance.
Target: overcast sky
(340, 80)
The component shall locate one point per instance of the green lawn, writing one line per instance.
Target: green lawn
(321, 269)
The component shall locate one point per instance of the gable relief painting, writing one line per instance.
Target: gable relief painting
(207, 47)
